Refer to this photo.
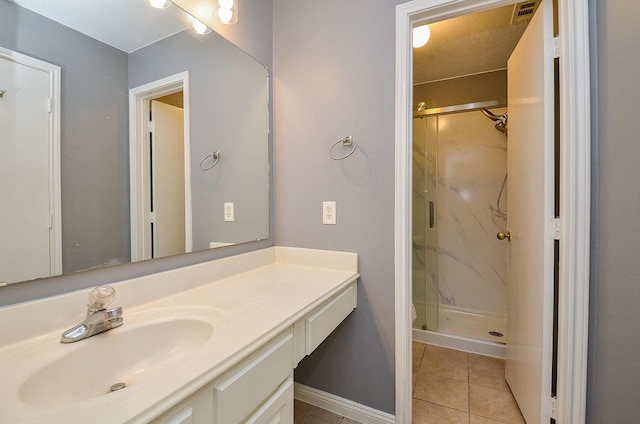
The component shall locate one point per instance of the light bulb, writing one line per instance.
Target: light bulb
(225, 15)
(199, 27)
(421, 35)
(226, 11)
(160, 4)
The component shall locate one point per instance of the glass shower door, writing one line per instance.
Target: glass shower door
(424, 252)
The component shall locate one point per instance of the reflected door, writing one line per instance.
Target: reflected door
(530, 206)
(168, 180)
(25, 215)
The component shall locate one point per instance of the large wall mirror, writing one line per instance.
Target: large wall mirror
(125, 136)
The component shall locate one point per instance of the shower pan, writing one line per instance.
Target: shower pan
(459, 192)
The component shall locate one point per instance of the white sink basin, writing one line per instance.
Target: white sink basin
(130, 354)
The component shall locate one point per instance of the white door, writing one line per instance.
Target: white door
(24, 173)
(168, 179)
(531, 217)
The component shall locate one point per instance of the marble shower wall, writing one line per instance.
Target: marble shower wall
(471, 165)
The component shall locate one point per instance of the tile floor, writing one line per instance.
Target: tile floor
(449, 387)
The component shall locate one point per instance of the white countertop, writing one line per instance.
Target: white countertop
(249, 298)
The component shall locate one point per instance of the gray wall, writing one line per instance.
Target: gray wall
(334, 76)
(614, 327)
(253, 35)
(228, 97)
(94, 136)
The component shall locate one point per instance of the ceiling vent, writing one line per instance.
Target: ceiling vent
(523, 11)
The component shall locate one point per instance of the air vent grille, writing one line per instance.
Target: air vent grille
(523, 12)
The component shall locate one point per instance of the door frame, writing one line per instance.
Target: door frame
(575, 201)
(139, 161)
(55, 199)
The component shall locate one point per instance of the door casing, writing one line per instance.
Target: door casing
(139, 174)
(575, 179)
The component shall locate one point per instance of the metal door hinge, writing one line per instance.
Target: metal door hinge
(554, 229)
(554, 47)
(552, 406)
(152, 217)
(150, 126)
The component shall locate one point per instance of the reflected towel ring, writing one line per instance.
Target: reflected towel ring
(346, 142)
(216, 158)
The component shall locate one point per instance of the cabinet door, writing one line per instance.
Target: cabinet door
(278, 409)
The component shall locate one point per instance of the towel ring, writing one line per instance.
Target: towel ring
(216, 158)
(346, 142)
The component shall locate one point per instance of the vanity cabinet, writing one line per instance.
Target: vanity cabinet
(259, 389)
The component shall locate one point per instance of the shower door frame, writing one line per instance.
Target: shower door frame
(575, 178)
(435, 333)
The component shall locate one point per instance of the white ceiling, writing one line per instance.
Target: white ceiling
(469, 44)
(124, 24)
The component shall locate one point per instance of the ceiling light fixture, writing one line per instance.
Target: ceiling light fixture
(160, 4)
(226, 11)
(421, 35)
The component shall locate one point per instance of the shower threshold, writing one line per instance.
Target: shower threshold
(479, 325)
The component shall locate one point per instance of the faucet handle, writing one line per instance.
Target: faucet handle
(100, 297)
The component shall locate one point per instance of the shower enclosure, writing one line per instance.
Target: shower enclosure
(459, 204)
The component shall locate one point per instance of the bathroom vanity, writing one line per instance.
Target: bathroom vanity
(210, 343)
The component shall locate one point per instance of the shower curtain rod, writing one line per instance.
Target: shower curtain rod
(460, 108)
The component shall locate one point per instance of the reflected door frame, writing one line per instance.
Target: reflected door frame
(55, 200)
(139, 161)
(575, 178)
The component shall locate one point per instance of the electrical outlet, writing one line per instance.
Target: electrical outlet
(229, 214)
(329, 213)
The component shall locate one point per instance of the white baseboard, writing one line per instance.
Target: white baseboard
(341, 406)
(467, 344)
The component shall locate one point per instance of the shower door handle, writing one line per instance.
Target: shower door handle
(502, 235)
(432, 214)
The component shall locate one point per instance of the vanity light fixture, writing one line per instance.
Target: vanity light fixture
(197, 26)
(226, 11)
(421, 35)
(160, 4)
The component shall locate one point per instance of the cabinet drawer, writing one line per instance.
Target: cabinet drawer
(239, 392)
(196, 409)
(321, 323)
(278, 409)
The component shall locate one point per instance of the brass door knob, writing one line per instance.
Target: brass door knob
(502, 235)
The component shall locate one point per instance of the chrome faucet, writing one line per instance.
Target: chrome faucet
(99, 319)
